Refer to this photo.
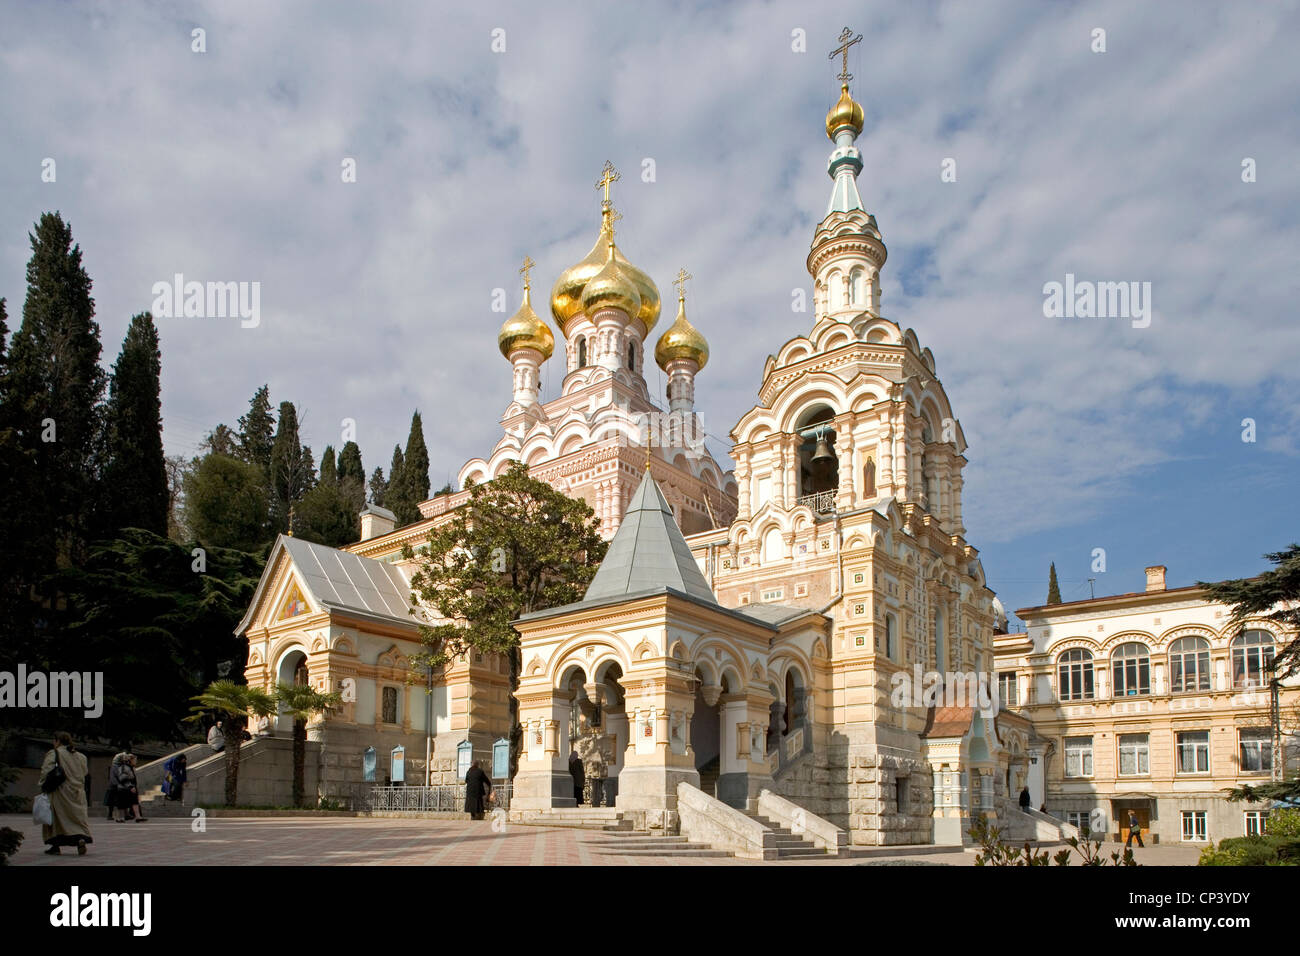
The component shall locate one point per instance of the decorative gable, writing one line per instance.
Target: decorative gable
(293, 605)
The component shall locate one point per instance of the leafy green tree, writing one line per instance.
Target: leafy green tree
(55, 387)
(157, 620)
(135, 491)
(325, 516)
(233, 703)
(257, 431)
(517, 545)
(1271, 596)
(226, 504)
(177, 468)
(1053, 589)
(302, 702)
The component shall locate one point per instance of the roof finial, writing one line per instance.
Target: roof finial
(680, 282)
(847, 40)
(608, 175)
(528, 265)
(649, 440)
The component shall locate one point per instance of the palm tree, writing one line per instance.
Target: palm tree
(234, 702)
(303, 702)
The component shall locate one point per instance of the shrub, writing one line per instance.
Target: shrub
(10, 840)
(1284, 822)
(1268, 850)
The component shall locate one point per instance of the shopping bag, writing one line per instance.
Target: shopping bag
(41, 811)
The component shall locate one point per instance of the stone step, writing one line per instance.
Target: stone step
(693, 850)
(785, 853)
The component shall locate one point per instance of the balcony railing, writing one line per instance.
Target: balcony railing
(821, 502)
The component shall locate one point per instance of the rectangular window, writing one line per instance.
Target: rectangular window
(773, 594)
(1193, 747)
(1008, 689)
(1194, 826)
(1256, 745)
(1078, 819)
(1255, 822)
(1134, 755)
(1078, 756)
(390, 705)
(900, 793)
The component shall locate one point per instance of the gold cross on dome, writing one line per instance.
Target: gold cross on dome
(847, 40)
(680, 282)
(608, 175)
(528, 264)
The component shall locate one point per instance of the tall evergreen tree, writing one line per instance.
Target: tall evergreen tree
(1053, 589)
(329, 474)
(221, 441)
(55, 390)
(225, 503)
(135, 493)
(352, 476)
(290, 468)
(378, 487)
(393, 494)
(257, 431)
(414, 484)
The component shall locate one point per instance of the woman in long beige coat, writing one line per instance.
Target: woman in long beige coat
(71, 825)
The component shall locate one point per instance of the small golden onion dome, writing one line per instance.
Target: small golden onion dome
(524, 330)
(611, 288)
(846, 112)
(681, 341)
(566, 294)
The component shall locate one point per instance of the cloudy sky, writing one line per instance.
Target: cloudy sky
(1123, 165)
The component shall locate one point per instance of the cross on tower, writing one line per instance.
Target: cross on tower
(680, 282)
(607, 175)
(847, 40)
(528, 264)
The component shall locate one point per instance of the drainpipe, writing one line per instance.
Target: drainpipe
(428, 729)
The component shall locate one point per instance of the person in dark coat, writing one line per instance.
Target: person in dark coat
(174, 778)
(477, 787)
(578, 775)
(1025, 801)
(1134, 831)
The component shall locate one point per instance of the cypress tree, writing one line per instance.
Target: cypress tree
(55, 390)
(352, 477)
(221, 441)
(1053, 589)
(415, 475)
(135, 477)
(328, 467)
(393, 495)
(290, 467)
(257, 431)
(378, 486)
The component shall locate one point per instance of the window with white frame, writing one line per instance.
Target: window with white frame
(1252, 655)
(1078, 756)
(1255, 820)
(1194, 826)
(1130, 666)
(1189, 665)
(1078, 819)
(1074, 675)
(1256, 749)
(773, 594)
(1008, 689)
(1193, 751)
(1134, 755)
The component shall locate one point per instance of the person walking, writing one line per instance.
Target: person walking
(67, 792)
(1025, 801)
(120, 781)
(175, 778)
(133, 790)
(478, 786)
(1134, 831)
(578, 774)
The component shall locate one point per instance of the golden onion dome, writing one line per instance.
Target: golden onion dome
(846, 112)
(524, 330)
(611, 287)
(566, 294)
(681, 341)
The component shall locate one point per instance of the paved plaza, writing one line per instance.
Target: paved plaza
(355, 841)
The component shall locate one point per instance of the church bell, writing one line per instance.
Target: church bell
(822, 455)
(824, 464)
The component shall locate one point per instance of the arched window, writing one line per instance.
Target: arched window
(859, 285)
(631, 356)
(1189, 665)
(1074, 675)
(582, 352)
(939, 659)
(1252, 656)
(1130, 666)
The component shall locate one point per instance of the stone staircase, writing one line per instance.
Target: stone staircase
(789, 845)
(607, 819)
(709, 778)
(642, 844)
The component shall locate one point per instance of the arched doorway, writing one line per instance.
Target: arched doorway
(292, 670)
(706, 732)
